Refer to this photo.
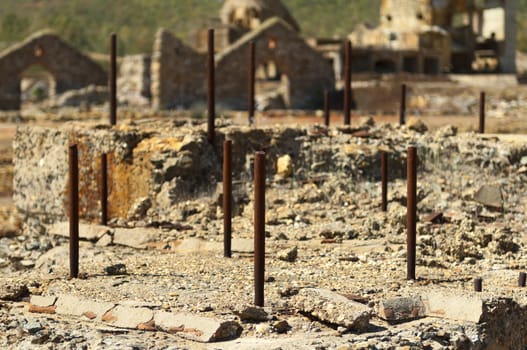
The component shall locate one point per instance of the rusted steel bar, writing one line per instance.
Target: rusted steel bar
(251, 82)
(411, 209)
(74, 210)
(211, 92)
(384, 180)
(347, 84)
(104, 189)
(482, 112)
(521, 279)
(113, 79)
(402, 111)
(227, 197)
(326, 108)
(478, 284)
(259, 228)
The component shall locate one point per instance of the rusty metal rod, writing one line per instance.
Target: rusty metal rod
(478, 284)
(259, 228)
(74, 210)
(384, 180)
(104, 189)
(521, 279)
(347, 84)
(326, 108)
(227, 198)
(251, 82)
(482, 112)
(113, 79)
(211, 86)
(411, 209)
(402, 112)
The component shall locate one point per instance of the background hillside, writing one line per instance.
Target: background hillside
(87, 23)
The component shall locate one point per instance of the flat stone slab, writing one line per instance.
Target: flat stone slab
(401, 309)
(333, 308)
(454, 306)
(87, 232)
(489, 195)
(75, 306)
(197, 328)
(135, 237)
(185, 325)
(128, 317)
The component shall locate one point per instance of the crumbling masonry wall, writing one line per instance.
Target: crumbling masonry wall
(178, 73)
(308, 73)
(70, 68)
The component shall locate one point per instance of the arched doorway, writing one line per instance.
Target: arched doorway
(36, 85)
(272, 88)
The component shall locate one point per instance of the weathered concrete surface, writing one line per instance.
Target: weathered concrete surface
(333, 308)
(134, 237)
(153, 169)
(137, 315)
(128, 317)
(70, 69)
(74, 306)
(193, 327)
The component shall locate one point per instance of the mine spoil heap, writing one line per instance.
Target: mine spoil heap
(335, 268)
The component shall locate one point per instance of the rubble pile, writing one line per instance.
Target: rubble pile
(335, 265)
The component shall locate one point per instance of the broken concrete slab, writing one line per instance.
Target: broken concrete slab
(89, 232)
(42, 304)
(332, 308)
(74, 306)
(128, 317)
(401, 309)
(44, 301)
(453, 305)
(135, 237)
(197, 328)
(489, 195)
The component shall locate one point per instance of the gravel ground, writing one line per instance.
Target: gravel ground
(344, 243)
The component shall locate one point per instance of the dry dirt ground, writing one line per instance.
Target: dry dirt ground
(344, 243)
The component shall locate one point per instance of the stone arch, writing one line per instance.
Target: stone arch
(308, 73)
(69, 67)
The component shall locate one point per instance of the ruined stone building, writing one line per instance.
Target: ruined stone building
(435, 36)
(289, 74)
(68, 67)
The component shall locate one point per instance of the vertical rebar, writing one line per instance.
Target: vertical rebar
(347, 83)
(482, 112)
(384, 180)
(113, 79)
(211, 86)
(251, 83)
(402, 111)
(74, 210)
(227, 198)
(259, 228)
(326, 108)
(104, 189)
(411, 209)
(521, 279)
(478, 284)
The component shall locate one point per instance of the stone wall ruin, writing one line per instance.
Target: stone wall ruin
(70, 68)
